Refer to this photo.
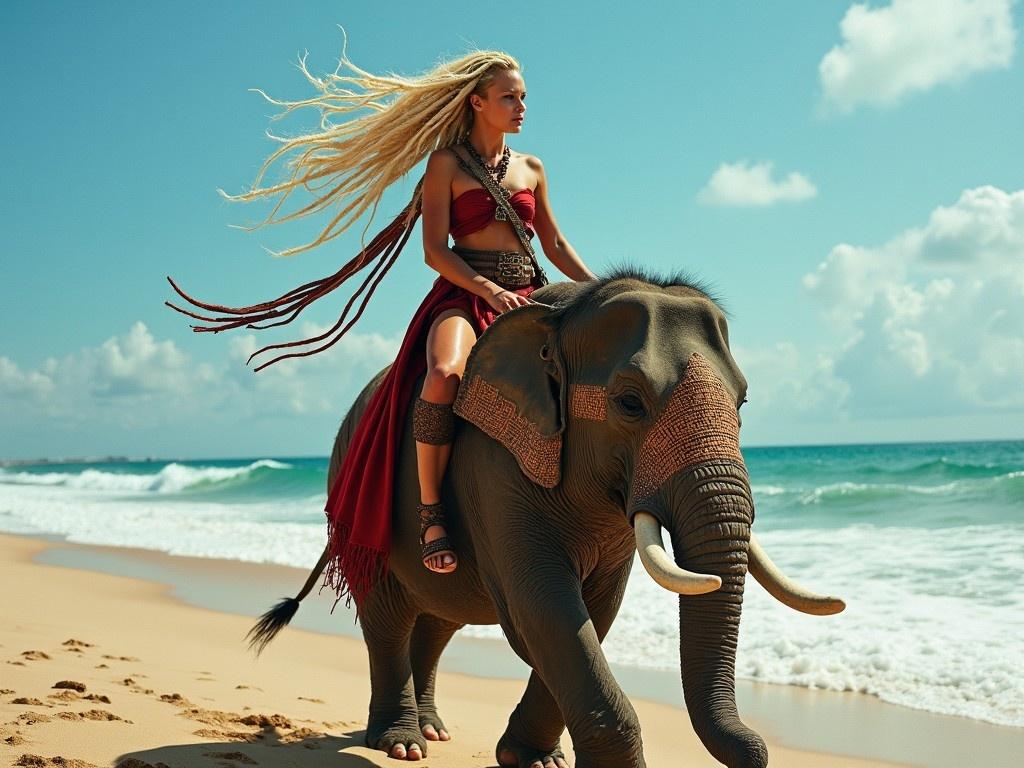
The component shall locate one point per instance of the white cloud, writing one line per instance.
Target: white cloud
(16, 384)
(322, 383)
(926, 328)
(914, 45)
(802, 382)
(744, 184)
(932, 321)
(135, 380)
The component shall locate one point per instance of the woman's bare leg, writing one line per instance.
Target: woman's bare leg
(450, 338)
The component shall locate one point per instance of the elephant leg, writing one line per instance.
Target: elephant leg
(536, 725)
(531, 739)
(550, 620)
(429, 638)
(387, 621)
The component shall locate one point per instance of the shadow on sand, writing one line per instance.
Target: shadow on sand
(268, 748)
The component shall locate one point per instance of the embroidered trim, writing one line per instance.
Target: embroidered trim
(588, 401)
(539, 456)
(698, 424)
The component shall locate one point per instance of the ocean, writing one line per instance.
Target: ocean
(925, 542)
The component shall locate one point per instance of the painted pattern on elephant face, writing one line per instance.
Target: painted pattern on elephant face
(588, 402)
(699, 423)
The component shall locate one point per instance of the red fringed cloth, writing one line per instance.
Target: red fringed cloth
(359, 503)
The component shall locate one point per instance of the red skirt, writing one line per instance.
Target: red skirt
(359, 503)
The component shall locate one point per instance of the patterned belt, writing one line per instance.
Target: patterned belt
(509, 269)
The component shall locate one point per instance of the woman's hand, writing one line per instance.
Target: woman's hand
(503, 300)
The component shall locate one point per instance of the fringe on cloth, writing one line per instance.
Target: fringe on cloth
(352, 569)
(384, 249)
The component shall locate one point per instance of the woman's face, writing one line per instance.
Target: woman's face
(505, 104)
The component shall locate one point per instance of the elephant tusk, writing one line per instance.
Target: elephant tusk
(659, 565)
(783, 589)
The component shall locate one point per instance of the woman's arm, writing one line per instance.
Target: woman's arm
(555, 246)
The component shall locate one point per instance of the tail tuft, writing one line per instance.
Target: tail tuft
(270, 623)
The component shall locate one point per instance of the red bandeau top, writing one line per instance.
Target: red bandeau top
(474, 209)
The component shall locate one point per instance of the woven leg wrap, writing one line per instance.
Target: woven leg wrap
(433, 423)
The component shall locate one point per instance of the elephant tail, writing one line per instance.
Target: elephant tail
(277, 618)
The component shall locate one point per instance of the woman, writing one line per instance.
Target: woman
(459, 113)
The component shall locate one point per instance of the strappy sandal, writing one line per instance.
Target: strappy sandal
(430, 515)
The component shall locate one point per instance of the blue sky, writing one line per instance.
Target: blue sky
(849, 177)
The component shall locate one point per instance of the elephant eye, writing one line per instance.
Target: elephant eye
(631, 405)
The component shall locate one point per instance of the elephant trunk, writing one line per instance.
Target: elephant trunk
(712, 538)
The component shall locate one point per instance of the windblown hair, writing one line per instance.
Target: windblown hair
(356, 160)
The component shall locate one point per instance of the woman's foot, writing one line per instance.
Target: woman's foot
(438, 552)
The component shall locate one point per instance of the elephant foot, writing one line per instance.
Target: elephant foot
(512, 753)
(432, 726)
(401, 742)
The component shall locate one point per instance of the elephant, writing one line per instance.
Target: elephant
(591, 421)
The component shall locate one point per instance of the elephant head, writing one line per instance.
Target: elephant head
(623, 394)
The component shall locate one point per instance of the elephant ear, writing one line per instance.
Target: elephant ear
(514, 387)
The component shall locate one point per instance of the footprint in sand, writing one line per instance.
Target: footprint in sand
(64, 697)
(315, 701)
(242, 736)
(134, 687)
(11, 736)
(100, 715)
(119, 658)
(72, 643)
(31, 718)
(302, 734)
(72, 685)
(30, 702)
(267, 721)
(34, 656)
(37, 761)
(176, 699)
(286, 731)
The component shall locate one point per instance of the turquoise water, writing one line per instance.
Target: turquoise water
(933, 485)
(925, 542)
(930, 484)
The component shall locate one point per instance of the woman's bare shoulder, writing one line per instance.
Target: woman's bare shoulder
(532, 162)
(443, 157)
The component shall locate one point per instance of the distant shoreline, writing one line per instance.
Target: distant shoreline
(83, 460)
(113, 459)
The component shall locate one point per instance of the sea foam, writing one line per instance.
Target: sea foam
(172, 478)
